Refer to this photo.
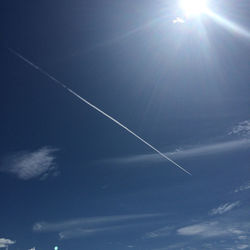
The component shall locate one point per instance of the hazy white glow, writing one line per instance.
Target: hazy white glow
(193, 8)
(229, 25)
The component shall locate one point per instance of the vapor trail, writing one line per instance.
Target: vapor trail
(96, 108)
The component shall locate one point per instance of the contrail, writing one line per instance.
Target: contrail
(96, 108)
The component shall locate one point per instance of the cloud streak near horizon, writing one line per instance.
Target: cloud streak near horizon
(230, 229)
(82, 227)
(210, 229)
(198, 150)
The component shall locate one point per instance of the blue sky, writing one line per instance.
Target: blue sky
(72, 178)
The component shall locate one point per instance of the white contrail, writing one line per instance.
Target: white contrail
(96, 108)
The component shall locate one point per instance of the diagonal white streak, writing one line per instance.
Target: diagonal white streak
(128, 130)
(96, 108)
(231, 26)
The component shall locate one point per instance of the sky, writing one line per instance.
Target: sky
(71, 178)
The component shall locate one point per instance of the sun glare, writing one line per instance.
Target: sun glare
(193, 8)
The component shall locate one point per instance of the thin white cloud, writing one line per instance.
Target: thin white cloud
(203, 229)
(31, 164)
(33, 248)
(244, 246)
(198, 150)
(198, 244)
(5, 243)
(88, 222)
(242, 188)
(85, 232)
(178, 20)
(243, 128)
(242, 237)
(83, 227)
(175, 246)
(209, 229)
(229, 231)
(224, 208)
(162, 232)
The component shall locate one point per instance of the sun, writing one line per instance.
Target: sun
(193, 8)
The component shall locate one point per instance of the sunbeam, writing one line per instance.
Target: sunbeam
(229, 25)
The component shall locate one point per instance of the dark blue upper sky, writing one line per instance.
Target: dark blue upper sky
(71, 177)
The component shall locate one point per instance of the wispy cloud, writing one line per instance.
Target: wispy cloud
(85, 232)
(224, 226)
(243, 128)
(179, 245)
(244, 246)
(178, 20)
(224, 208)
(243, 187)
(4, 243)
(31, 164)
(228, 231)
(242, 237)
(198, 150)
(209, 229)
(207, 235)
(162, 232)
(220, 244)
(91, 225)
(203, 229)
(89, 221)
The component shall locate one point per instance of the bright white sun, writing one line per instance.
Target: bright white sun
(192, 8)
